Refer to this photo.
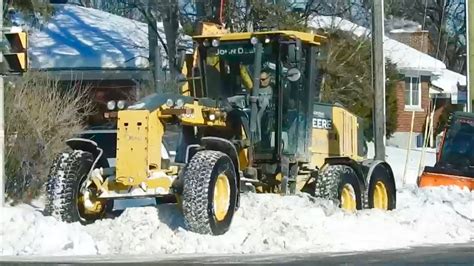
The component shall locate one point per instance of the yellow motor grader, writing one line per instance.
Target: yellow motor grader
(236, 135)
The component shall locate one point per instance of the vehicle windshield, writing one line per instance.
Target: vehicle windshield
(229, 73)
(229, 68)
(458, 147)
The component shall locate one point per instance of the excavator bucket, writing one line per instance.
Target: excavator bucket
(432, 178)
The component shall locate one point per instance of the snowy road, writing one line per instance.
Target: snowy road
(457, 254)
(269, 224)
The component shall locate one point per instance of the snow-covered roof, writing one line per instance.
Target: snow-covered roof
(406, 58)
(406, 30)
(76, 37)
(448, 81)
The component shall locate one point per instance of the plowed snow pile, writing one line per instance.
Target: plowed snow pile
(267, 223)
(264, 223)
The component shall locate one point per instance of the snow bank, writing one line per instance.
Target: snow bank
(265, 223)
(24, 230)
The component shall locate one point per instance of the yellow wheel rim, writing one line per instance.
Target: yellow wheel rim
(348, 198)
(221, 197)
(94, 207)
(380, 196)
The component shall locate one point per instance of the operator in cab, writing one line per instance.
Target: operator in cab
(265, 95)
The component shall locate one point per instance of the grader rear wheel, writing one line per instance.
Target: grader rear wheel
(340, 183)
(67, 199)
(209, 193)
(348, 197)
(381, 191)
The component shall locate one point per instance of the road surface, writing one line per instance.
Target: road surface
(459, 254)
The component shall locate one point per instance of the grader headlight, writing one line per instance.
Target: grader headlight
(169, 103)
(111, 105)
(215, 42)
(179, 103)
(254, 40)
(121, 104)
(213, 115)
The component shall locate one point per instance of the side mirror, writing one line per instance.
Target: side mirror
(294, 52)
(180, 58)
(293, 74)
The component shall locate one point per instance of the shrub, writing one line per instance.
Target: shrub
(39, 117)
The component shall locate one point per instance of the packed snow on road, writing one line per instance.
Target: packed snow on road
(265, 223)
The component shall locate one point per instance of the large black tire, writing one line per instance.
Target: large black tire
(381, 176)
(200, 177)
(331, 181)
(66, 176)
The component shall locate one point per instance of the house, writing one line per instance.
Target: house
(426, 86)
(105, 52)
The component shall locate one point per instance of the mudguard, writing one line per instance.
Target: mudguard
(369, 166)
(356, 166)
(89, 146)
(225, 146)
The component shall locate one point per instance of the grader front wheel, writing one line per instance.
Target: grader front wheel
(66, 198)
(209, 193)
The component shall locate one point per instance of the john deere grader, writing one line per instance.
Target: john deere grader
(249, 122)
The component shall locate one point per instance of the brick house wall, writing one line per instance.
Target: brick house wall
(404, 115)
(420, 40)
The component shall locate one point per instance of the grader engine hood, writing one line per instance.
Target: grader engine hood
(141, 127)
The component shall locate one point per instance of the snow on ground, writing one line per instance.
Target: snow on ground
(396, 157)
(264, 224)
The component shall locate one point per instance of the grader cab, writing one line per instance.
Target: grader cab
(249, 122)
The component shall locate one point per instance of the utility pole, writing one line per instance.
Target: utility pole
(470, 54)
(159, 79)
(378, 78)
(2, 122)
(153, 50)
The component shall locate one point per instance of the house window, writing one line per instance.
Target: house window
(412, 93)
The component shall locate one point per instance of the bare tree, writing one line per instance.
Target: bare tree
(445, 21)
(169, 11)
